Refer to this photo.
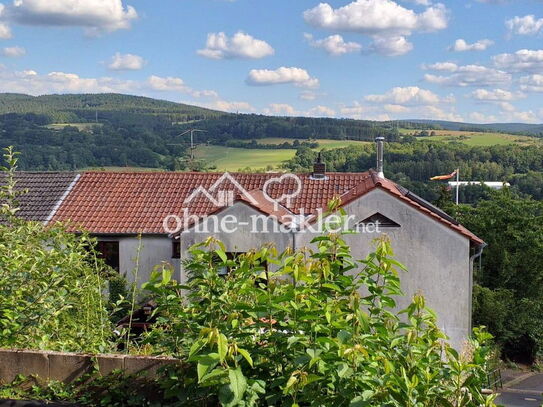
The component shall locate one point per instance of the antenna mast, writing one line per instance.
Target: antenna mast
(191, 131)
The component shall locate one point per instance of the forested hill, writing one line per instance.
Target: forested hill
(66, 132)
(516, 128)
(82, 108)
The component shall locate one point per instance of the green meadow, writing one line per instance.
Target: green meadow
(233, 159)
(476, 138)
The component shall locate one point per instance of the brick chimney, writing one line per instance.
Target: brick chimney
(319, 168)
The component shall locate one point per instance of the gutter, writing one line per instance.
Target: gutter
(472, 259)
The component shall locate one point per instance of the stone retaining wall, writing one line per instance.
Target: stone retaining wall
(67, 367)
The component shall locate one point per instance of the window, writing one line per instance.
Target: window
(109, 251)
(176, 250)
(376, 221)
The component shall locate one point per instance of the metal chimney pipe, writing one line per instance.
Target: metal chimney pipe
(380, 144)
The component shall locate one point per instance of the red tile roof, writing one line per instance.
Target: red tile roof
(138, 202)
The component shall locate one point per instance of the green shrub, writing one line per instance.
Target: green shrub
(304, 335)
(50, 283)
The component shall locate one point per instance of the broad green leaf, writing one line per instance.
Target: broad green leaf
(222, 255)
(231, 394)
(206, 363)
(358, 401)
(246, 355)
(222, 344)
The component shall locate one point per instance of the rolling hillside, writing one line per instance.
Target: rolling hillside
(519, 128)
(71, 108)
(68, 132)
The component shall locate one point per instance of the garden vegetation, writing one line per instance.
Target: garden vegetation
(318, 329)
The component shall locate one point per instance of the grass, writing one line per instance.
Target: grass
(475, 139)
(80, 126)
(233, 159)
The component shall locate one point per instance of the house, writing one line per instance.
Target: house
(161, 214)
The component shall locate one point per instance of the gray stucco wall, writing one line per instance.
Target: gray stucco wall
(437, 259)
(243, 239)
(154, 250)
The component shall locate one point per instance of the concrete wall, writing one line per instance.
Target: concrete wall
(436, 256)
(154, 250)
(67, 367)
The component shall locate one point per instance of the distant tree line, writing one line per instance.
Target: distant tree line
(413, 164)
(253, 144)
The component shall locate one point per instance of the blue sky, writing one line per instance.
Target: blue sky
(477, 61)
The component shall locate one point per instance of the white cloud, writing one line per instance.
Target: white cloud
(167, 83)
(229, 106)
(391, 45)
(5, 31)
(496, 95)
(375, 17)
(126, 62)
(442, 66)
(355, 111)
(420, 2)
(460, 45)
(321, 111)
(434, 112)
(95, 16)
(32, 83)
(13, 52)
(467, 75)
(334, 44)
(479, 117)
(240, 45)
(297, 76)
(524, 60)
(507, 107)
(284, 109)
(411, 95)
(532, 83)
(385, 21)
(527, 25)
(280, 109)
(410, 109)
(396, 108)
(309, 95)
(173, 84)
(527, 117)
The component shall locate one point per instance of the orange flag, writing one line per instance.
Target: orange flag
(443, 177)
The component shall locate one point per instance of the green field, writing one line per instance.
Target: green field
(80, 126)
(476, 138)
(233, 159)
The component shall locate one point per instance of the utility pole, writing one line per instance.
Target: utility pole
(191, 131)
(457, 185)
